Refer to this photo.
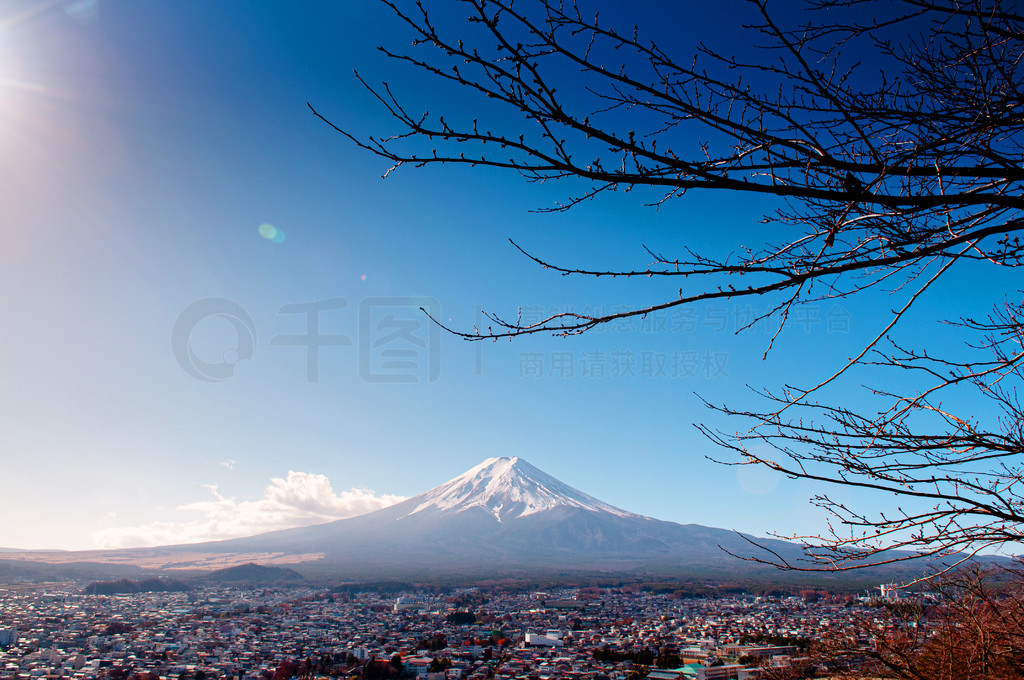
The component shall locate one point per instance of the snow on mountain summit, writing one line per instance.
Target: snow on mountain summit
(508, 488)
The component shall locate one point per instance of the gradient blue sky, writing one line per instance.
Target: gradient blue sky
(142, 145)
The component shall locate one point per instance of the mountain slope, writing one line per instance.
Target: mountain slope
(503, 517)
(508, 488)
(505, 513)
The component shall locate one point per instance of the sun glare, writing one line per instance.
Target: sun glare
(20, 79)
(46, 134)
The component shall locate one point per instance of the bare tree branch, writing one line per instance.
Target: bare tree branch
(889, 137)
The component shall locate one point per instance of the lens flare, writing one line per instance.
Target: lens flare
(271, 233)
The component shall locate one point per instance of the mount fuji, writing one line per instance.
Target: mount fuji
(508, 488)
(502, 516)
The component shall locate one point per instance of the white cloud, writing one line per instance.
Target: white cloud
(302, 499)
(229, 464)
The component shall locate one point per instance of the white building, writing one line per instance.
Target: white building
(535, 640)
(890, 591)
(732, 671)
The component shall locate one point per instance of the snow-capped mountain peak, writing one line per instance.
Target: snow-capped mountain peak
(508, 488)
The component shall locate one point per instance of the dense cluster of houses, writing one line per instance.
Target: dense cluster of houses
(273, 633)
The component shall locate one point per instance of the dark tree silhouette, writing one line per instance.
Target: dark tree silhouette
(886, 137)
(968, 626)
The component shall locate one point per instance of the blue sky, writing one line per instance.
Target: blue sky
(142, 146)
